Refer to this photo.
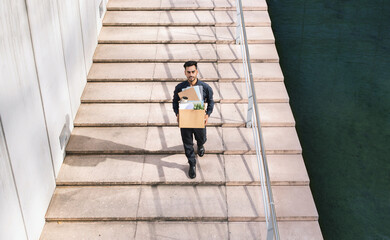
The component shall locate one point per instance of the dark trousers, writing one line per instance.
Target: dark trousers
(186, 136)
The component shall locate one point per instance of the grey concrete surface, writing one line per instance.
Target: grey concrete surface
(226, 92)
(287, 170)
(114, 72)
(291, 203)
(173, 169)
(289, 230)
(251, 18)
(182, 230)
(131, 114)
(117, 92)
(94, 203)
(246, 4)
(159, 18)
(305, 230)
(263, 53)
(266, 92)
(116, 5)
(168, 140)
(89, 230)
(101, 169)
(181, 53)
(161, 114)
(160, 5)
(182, 203)
(189, 34)
(155, 53)
(260, 72)
(271, 114)
(283, 169)
(107, 140)
(278, 140)
(254, 35)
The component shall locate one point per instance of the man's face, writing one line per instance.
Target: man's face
(191, 73)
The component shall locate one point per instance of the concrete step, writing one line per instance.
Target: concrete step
(135, 140)
(266, 92)
(125, 72)
(260, 72)
(161, 114)
(254, 35)
(134, 72)
(184, 18)
(122, 92)
(125, 5)
(192, 35)
(122, 230)
(249, 5)
(133, 114)
(167, 140)
(278, 140)
(158, 92)
(155, 53)
(162, 202)
(212, 169)
(288, 230)
(251, 18)
(271, 114)
(159, 18)
(292, 203)
(258, 53)
(110, 53)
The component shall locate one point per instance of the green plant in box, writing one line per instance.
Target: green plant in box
(198, 106)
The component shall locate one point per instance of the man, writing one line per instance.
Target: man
(191, 72)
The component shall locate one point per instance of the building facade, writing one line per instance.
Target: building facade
(46, 50)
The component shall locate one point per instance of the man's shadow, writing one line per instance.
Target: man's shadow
(116, 151)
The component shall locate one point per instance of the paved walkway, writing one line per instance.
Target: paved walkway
(125, 173)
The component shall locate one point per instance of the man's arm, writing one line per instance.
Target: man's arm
(175, 101)
(209, 100)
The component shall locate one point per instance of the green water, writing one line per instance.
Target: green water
(335, 56)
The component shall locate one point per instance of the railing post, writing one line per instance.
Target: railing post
(238, 27)
(270, 232)
(248, 123)
(269, 207)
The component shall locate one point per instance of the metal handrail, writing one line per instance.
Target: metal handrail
(269, 206)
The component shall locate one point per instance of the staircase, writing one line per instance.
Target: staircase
(125, 173)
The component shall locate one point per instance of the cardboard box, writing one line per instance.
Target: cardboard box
(189, 118)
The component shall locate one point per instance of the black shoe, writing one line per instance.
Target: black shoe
(192, 171)
(201, 151)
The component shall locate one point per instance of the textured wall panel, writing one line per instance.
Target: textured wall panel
(72, 42)
(88, 13)
(11, 220)
(49, 58)
(23, 119)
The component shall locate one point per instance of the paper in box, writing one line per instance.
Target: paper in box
(188, 117)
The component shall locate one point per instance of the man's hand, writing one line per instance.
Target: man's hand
(177, 116)
(206, 118)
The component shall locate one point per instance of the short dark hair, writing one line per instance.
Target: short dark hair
(190, 63)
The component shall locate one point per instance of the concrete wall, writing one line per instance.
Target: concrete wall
(46, 49)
